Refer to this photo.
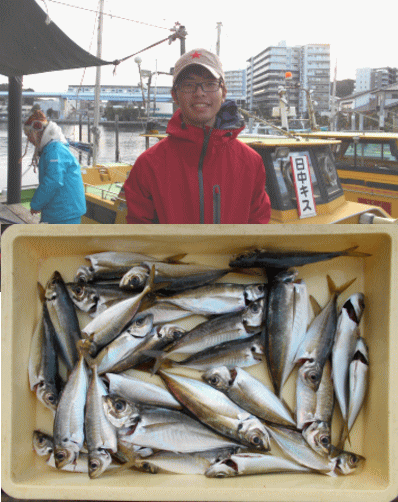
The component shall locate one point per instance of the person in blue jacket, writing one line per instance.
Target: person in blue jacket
(60, 195)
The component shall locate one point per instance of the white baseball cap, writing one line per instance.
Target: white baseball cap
(200, 57)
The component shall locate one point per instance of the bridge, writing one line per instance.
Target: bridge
(115, 94)
(135, 96)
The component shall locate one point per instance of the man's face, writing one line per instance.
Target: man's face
(199, 108)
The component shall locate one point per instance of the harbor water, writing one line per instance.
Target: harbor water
(131, 145)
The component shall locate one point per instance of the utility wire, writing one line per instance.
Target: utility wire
(110, 15)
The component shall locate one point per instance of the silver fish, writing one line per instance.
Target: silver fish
(123, 344)
(109, 265)
(358, 381)
(294, 445)
(137, 390)
(318, 342)
(223, 328)
(108, 325)
(346, 462)
(43, 443)
(219, 298)
(94, 298)
(101, 437)
(158, 338)
(314, 410)
(242, 353)
(318, 436)
(182, 463)
(250, 394)
(172, 276)
(287, 320)
(163, 312)
(120, 412)
(44, 376)
(173, 430)
(69, 417)
(217, 411)
(314, 405)
(63, 317)
(344, 347)
(243, 464)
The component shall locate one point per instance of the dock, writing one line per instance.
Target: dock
(15, 213)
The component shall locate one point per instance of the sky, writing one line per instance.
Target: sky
(360, 34)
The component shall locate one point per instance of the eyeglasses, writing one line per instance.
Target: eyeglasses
(191, 87)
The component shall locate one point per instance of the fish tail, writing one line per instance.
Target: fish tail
(352, 252)
(338, 290)
(344, 436)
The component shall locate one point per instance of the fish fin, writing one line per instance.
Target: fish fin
(150, 281)
(174, 258)
(160, 359)
(85, 349)
(336, 290)
(352, 252)
(315, 305)
(42, 292)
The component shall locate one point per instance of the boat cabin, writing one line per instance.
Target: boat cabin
(367, 165)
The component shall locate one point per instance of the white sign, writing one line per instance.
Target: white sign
(303, 185)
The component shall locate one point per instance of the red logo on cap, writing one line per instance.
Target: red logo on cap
(196, 55)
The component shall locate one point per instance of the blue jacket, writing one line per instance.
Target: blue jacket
(60, 194)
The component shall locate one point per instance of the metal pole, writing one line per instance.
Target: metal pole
(80, 136)
(117, 152)
(98, 87)
(14, 175)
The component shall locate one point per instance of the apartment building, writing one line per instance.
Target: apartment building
(309, 66)
(235, 81)
(367, 79)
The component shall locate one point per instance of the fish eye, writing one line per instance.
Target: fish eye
(325, 440)
(60, 456)
(214, 380)
(135, 281)
(261, 288)
(140, 322)
(353, 459)
(51, 398)
(255, 307)
(120, 405)
(255, 440)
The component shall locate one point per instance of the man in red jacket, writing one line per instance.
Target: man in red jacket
(200, 173)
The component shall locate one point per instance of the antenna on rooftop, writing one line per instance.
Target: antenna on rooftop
(218, 38)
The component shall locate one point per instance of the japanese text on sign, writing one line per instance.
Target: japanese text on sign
(303, 185)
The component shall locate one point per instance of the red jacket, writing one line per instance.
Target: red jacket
(179, 180)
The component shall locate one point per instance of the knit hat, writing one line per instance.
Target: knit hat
(200, 57)
(37, 121)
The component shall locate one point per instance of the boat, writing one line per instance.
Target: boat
(285, 160)
(367, 165)
(366, 161)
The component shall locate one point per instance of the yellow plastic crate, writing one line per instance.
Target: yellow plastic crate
(30, 253)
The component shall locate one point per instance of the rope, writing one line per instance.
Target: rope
(287, 133)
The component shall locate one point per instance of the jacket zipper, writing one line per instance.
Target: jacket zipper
(216, 204)
(200, 176)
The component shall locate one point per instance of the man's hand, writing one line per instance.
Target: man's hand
(33, 211)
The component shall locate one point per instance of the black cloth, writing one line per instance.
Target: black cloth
(29, 45)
